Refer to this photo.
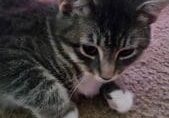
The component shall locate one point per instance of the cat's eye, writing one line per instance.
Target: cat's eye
(89, 51)
(126, 53)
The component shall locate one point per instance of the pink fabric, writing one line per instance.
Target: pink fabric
(148, 78)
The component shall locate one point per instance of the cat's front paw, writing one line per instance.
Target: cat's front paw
(121, 101)
(72, 114)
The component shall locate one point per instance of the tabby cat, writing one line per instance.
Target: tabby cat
(46, 58)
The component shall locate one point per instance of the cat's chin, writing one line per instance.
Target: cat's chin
(90, 84)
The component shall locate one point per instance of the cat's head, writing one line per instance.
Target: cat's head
(111, 38)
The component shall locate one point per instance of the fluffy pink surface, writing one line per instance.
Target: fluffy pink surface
(148, 78)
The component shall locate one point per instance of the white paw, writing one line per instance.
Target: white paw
(121, 101)
(72, 114)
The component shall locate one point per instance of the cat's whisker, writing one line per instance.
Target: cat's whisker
(75, 88)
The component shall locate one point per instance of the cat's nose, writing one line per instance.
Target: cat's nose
(107, 70)
(107, 75)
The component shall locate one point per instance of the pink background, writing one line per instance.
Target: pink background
(148, 78)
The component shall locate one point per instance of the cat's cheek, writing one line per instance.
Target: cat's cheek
(121, 101)
(89, 85)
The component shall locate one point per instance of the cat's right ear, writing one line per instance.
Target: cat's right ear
(65, 6)
(81, 7)
(78, 7)
(149, 11)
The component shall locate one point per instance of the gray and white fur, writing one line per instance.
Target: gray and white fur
(46, 59)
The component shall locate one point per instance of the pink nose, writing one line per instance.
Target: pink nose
(107, 74)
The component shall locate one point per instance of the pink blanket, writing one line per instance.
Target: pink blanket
(148, 78)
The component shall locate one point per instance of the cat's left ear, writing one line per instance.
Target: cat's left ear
(149, 11)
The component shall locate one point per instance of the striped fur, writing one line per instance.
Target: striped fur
(43, 56)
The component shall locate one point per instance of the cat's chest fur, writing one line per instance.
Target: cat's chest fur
(88, 85)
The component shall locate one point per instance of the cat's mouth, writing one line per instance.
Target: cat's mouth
(89, 84)
(99, 78)
(105, 80)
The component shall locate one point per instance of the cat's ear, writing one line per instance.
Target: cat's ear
(149, 11)
(82, 7)
(65, 6)
(78, 7)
